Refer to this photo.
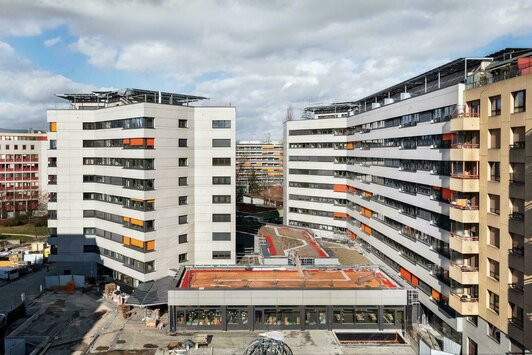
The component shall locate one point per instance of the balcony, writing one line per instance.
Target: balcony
(464, 274)
(464, 214)
(465, 152)
(516, 258)
(467, 121)
(464, 182)
(464, 304)
(464, 245)
(517, 152)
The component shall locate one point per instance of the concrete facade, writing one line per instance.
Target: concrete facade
(139, 200)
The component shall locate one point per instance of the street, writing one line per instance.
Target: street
(30, 285)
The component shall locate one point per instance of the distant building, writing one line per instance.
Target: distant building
(23, 177)
(141, 182)
(266, 159)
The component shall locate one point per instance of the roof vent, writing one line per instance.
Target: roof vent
(405, 95)
(375, 105)
(388, 101)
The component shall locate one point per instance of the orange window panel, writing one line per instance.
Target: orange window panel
(126, 219)
(150, 142)
(366, 212)
(415, 281)
(125, 141)
(340, 215)
(150, 245)
(53, 126)
(350, 145)
(446, 194)
(405, 274)
(366, 229)
(435, 295)
(351, 189)
(136, 222)
(136, 141)
(126, 240)
(447, 137)
(137, 243)
(340, 188)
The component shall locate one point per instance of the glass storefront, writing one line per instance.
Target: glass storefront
(286, 317)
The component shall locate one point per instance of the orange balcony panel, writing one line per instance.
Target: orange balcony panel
(150, 245)
(136, 141)
(340, 188)
(53, 126)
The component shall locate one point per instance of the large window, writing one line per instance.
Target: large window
(221, 217)
(220, 255)
(221, 161)
(182, 238)
(493, 269)
(221, 143)
(494, 333)
(493, 300)
(183, 181)
(221, 236)
(183, 257)
(221, 124)
(221, 199)
(519, 98)
(183, 219)
(204, 317)
(315, 315)
(182, 143)
(183, 123)
(495, 102)
(221, 180)
(183, 200)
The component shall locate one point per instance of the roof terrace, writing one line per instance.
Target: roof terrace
(285, 278)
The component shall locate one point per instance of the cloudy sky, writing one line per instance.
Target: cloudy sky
(258, 55)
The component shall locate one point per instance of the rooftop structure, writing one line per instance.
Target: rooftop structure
(102, 99)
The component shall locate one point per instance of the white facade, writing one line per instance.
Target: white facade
(359, 186)
(169, 222)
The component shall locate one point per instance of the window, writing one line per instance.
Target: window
(53, 144)
(495, 139)
(182, 238)
(91, 249)
(221, 143)
(221, 199)
(493, 301)
(221, 161)
(518, 137)
(32, 147)
(494, 333)
(183, 257)
(472, 347)
(182, 143)
(221, 236)
(183, 123)
(495, 102)
(183, 181)
(221, 255)
(495, 171)
(519, 98)
(24, 147)
(494, 203)
(494, 236)
(182, 161)
(16, 146)
(183, 200)
(493, 269)
(221, 124)
(183, 219)
(473, 320)
(221, 180)
(221, 217)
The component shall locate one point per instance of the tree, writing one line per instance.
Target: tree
(253, 184)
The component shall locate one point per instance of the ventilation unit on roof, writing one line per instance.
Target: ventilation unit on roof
(388, 101)
(405, 95)
(375, 105)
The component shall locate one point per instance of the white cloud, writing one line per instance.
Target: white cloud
(52, 41)
(99, 54)
(5, 47)
(275, 53)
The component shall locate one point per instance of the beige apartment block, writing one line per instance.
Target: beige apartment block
(500, 112)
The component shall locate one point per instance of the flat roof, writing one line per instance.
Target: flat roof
(281, 240)
(285, 278)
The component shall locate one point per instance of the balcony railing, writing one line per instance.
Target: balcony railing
(463, 237)
(517, 215)
(464, 297)
(517, 286)
(465, 268)
(520, 251)
(518, 322)
(465, 145)
(518, 145)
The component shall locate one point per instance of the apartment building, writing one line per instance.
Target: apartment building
(140, 182)
(396, 172)
(22, 171)
(264, 158)
(491, 280)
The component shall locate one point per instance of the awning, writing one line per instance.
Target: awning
(151, 293)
